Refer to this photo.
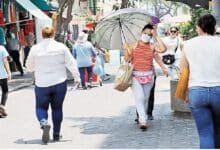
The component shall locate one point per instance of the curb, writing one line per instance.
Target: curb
(25, 85)
(20, 87)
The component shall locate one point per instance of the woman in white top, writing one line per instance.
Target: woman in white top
(202, 57)
(49, 60)
(172, 55)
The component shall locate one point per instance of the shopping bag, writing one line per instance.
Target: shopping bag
(123, 79)
(97, 69)
(182, 85)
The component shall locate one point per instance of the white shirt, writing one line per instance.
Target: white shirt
(3, 55)
(49, 60)
(173, 46)
(203, 55)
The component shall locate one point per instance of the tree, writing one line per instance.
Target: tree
(62, 23)
(161, 7)
(189, 28)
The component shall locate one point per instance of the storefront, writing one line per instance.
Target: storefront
(24, 20)
(41, 18)
(25, 15)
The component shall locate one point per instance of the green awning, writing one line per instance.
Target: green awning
(42, 4)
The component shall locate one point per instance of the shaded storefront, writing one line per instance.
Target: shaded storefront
(23, 18)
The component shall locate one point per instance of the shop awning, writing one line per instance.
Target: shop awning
(32, 9)
(41, 19)
(42, 4)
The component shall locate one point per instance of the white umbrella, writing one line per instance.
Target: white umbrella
(124, 25)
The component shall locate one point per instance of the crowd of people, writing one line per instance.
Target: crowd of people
(49, 59)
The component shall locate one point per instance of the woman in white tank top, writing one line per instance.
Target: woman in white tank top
(202, 56)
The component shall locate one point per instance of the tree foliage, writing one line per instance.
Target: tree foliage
(189, 28)
(158, 7)
(162, 7)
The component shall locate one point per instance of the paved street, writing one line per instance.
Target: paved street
(99, 118)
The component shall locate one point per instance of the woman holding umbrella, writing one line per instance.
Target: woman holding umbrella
(141, 55)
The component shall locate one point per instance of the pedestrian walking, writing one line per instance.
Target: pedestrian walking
(171, 57)
(5, 75)
(83, 51)
(201, 56)
(30, 42)
(49, 60)
(101, 53)
(13, 49)
(150, 106)
(141, 56)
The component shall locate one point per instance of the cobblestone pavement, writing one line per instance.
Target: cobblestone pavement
(99, 118)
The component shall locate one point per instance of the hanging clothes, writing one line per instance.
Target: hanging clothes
(5, 10)
(22, 39)
(1, 17)
(9, 11)
(29, 27)
(2, 37)
(12, 12)
(1, 4)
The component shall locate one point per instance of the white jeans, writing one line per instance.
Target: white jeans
(141, 94)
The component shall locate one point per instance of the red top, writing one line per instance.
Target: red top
(142, 57)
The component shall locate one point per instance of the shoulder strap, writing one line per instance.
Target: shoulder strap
(177, 45)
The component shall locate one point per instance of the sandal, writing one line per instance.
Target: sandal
(3, 112)
(143, 126)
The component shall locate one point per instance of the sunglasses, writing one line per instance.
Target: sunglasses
(173, 31)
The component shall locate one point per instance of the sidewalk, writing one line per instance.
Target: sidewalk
(97, 118)
(19, 82)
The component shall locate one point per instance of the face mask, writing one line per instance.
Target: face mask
(146, 38)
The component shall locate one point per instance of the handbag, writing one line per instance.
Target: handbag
(182, 85)
(168, 59)
(123, 79)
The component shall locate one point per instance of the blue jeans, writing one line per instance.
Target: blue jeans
(54, 96)
(204, 103)
(82, 74)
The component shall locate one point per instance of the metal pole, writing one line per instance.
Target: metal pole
(216, 10)
(94, 7)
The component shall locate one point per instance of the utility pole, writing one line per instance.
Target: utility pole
(216, 10)
(94, 7)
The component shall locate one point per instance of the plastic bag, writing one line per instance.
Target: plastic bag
(97, 69)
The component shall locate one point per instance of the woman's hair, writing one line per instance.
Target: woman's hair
(148, 26)
(48, 32)
(174, 27)
(207, 23)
